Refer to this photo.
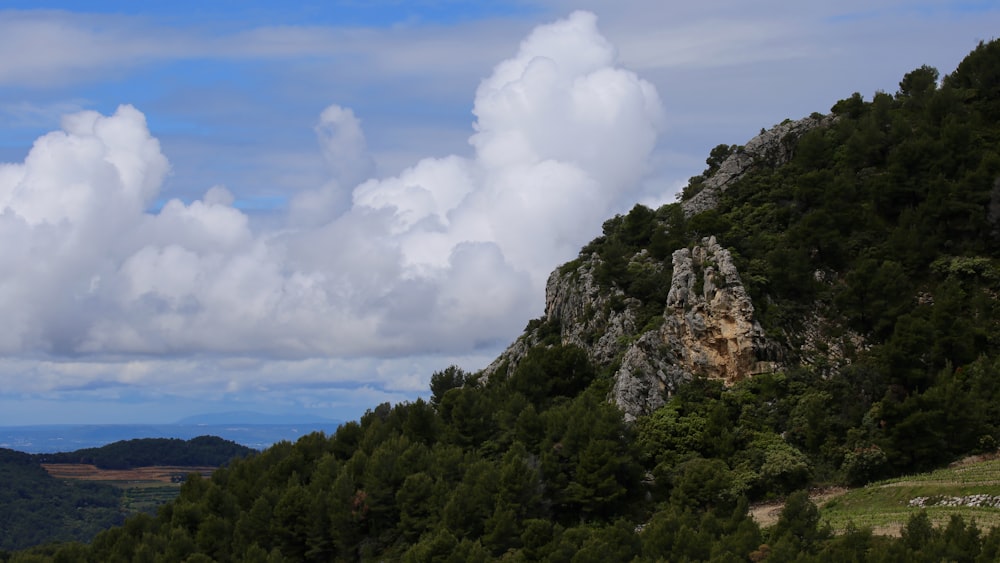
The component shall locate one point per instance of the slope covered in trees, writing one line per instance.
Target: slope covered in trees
(884, 223)
(209, 451)
(38, 508)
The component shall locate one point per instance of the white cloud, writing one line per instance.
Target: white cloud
(380, 276)
(46, 47)
(448, 257)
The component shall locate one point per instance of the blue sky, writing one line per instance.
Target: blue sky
(312, 206)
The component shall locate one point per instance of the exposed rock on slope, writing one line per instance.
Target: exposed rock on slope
(713, 324)
(583, 313)
(707, 329)
(708, 326)
(772, 147)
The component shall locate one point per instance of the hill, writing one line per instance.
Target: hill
(38, 508)
(144, 452)
(53, 438)
(819, 309)
(254, 419)
(41, 506)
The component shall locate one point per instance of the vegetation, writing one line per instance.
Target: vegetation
(209, 451)
(38, 508)
(969, 490)
(146, 497)
(885, 223)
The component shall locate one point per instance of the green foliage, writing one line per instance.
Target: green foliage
(634, 256)
(444, 381)
(798, 529)
(38, 508)
(548, 373)
(210, 451)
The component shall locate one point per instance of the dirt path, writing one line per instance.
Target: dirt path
(767, 513)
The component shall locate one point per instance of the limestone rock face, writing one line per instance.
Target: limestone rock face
(771, 147)
(594, 319)
(709, 317)
(584, 314)
(650, 371)
(708, 329)
(708, 326)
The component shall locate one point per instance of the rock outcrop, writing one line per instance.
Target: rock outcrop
(583, 313)
(708, 326)
(707, 329)
(771, 148)
(713, 325)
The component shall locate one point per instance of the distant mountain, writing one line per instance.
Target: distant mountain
(250, 417)
(50, 438)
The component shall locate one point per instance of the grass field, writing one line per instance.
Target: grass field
(143, 488)
(887, 505)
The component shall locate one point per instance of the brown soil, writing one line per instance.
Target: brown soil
(767, 513)
(973, 459)
(161, 473)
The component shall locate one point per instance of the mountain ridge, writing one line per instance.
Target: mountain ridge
(710, 332)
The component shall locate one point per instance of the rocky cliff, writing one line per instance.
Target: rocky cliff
(771, 148)
(707, 328)
(707, 325)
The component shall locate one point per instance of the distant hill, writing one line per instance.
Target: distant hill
(50, 438)
(144, 452)
(254, 418)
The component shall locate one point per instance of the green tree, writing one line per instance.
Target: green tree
(444, 381)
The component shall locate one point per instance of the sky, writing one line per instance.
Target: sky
(311, 207)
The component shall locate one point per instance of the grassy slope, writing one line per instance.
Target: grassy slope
(884, 506)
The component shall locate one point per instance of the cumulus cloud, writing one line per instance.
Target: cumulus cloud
(344, 149)
(449, 257)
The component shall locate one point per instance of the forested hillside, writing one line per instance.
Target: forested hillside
(869, 248)
(37, 508)
(209, 451)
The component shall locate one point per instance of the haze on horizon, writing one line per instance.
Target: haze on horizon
(293, 210)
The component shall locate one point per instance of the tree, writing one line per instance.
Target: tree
(703, 484)
(419, 506)
(443, 381)
(717, 156)
(797, 529)
(550, 372)
(918, 84)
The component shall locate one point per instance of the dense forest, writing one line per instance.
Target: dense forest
(885, 222)
(210, 451)
(39, 508)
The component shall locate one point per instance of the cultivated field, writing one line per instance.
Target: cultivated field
(970, 488)
(158, 473)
